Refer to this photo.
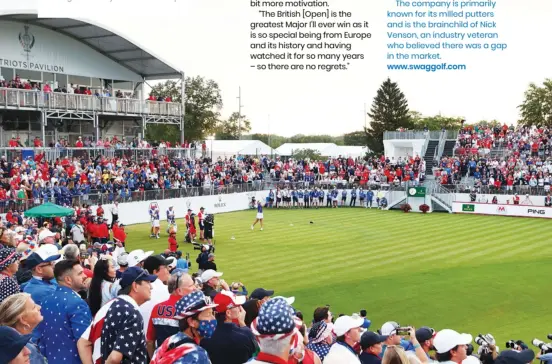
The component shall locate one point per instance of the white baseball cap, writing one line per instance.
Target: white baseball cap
(345, 323)
(209, 274)
(122, 259)
(447, 339)
(135, 257)
(389, 328)
(45, 234)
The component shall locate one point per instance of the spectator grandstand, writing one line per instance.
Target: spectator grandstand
(501, 160)
(116, 171)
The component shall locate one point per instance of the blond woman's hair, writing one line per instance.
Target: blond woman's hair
(394, 354)
(12, 308)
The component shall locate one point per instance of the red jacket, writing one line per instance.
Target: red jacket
(102, 231)
(119, 233)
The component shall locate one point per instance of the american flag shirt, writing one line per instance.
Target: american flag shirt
(180, 349)
(123, 331)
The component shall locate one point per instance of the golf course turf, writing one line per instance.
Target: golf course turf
(474, 274)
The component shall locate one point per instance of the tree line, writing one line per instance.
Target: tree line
(389, 111)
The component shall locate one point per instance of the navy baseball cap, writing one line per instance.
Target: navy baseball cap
(425, 333)
(11, 343)
(370, 338)
(135, 274)
(515, 357)
(261, 293)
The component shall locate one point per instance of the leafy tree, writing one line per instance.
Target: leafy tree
(536, 109)
(485, 123)
(301, 154)
(166, 132)
(389, 111)
(203, 103)
(301, 138)
(357, 138)
(230, 129)
(436, 122)
(274, 141)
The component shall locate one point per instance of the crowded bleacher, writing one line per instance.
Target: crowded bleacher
(126, 176)
(500, 159)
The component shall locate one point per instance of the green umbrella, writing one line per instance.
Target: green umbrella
(49, 209)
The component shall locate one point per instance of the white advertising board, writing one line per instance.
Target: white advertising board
(138, 212)
(502, 209)
(34, 48)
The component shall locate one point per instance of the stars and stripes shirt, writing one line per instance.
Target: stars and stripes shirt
(94, 332)
(66, 317)
(123, 331)
(321, 349)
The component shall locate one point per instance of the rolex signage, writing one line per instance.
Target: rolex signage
(416, 192)
(220, 203)
(468, 208)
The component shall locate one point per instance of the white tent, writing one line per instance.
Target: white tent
(229, 148)
(350, 151)
(324, 149)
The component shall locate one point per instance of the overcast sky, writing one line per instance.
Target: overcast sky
(211, 38)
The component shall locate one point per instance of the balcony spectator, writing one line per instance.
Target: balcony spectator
(79, 143)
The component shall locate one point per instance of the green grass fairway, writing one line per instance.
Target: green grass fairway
(469, 273)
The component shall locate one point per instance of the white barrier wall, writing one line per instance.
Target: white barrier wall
(502, 199)
(502, 209)
(138, 212)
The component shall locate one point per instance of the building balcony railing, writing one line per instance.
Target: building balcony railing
(405, 135)
(27, 99)
(420, 134)
(51, 154)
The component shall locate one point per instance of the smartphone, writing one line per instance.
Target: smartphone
(402, 331)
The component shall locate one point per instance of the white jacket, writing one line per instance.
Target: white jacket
(339, 354)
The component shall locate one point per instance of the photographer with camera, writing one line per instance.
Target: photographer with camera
(488, 351)
(545, 354)
(203, 257)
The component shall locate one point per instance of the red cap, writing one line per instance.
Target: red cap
(227, 300)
